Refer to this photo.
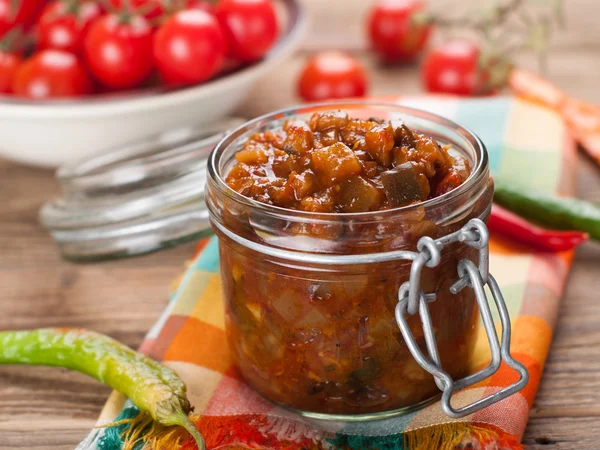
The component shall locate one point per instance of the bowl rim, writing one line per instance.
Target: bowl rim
(151, 97)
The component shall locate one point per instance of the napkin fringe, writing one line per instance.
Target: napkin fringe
(453, 435)
(290, 430)
(134, 430)
(447, 436)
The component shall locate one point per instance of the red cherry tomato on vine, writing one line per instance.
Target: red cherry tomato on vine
(22, 12)
(250, 25)
(64, 24)
(393, 32)
(332, 75)
(51, 74)
(118, 51)
(189, 47)
(150, 9)
(9, 63)
(453, 68)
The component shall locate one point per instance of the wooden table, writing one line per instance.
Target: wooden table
(53, 409)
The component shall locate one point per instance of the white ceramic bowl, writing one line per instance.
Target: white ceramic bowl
(49, 134)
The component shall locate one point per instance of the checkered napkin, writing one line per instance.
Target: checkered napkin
(527, 143)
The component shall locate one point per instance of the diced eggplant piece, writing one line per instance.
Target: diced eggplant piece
(401, 185)
(335, 162)
(403, 137)
(358, 195)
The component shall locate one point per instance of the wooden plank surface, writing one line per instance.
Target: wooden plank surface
(53, 409)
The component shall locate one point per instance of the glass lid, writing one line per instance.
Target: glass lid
(137, 199)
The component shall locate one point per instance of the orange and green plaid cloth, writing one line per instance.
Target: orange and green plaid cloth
(526, 143)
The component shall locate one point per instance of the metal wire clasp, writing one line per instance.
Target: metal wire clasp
(411, 300)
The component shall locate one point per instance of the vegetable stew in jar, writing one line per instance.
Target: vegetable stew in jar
(318, 212)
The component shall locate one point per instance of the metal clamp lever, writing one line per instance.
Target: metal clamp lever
(475, 235)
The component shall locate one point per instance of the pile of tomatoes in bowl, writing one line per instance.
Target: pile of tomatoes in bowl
(73, 48)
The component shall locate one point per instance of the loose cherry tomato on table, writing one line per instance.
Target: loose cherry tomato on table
(118, 50)
(250, 25)
(18, 12)
(454, 68)
(51, 74)
(64, 24)
(189, 47)
(393, 31)
(332, 75)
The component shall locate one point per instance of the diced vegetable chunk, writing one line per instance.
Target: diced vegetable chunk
(336, 162)
(402, 185)
(449, 182)
(403, 137)
(299, 137)
(252, 154)
(328, 120)
(302, 184)
(358, 195)
(379, 142)
(319, 203)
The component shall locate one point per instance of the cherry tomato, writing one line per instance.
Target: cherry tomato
(51, 74)
(22, 12)
(150, 9)
(393, 32)
(332, 75)
(189, 47)
(118, 51)
(453, 68)
(250, 25)
(200, 4)
(9, 62)
(64, 24)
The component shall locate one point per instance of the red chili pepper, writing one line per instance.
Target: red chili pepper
(510, 225)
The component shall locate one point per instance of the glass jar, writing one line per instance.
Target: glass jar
(137, 199)
(311, 317)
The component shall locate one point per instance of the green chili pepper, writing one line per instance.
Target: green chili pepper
(565, 213)
(151, 386)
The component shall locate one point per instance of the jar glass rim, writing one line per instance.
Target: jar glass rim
(479, 170)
